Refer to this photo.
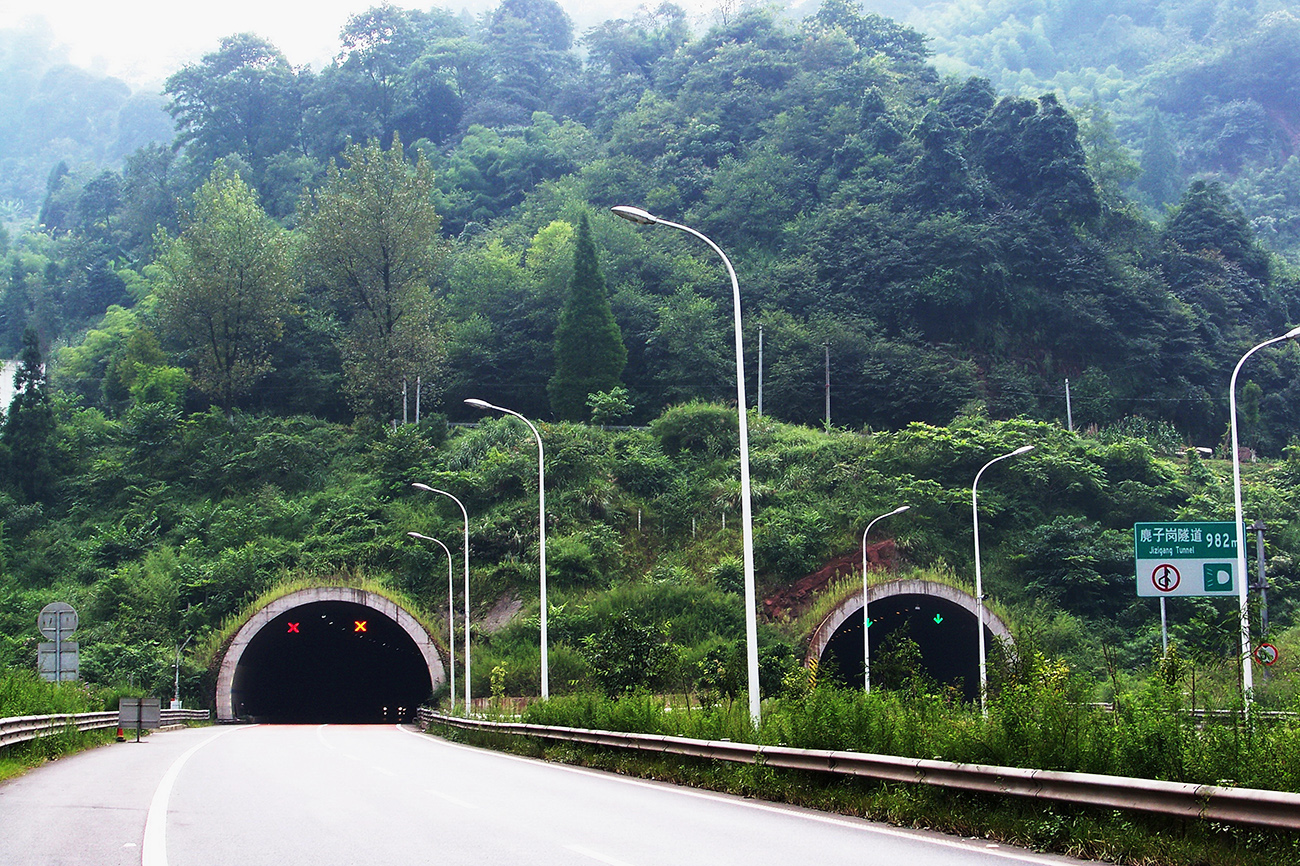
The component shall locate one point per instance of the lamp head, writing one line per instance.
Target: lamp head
(419, 536)
(900, 509)
(1023, 449)
(418, 486)
(635, 215)
(1293, 333)
(479, 404)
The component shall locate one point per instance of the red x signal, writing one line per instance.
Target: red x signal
(360, 625)
(293, 628)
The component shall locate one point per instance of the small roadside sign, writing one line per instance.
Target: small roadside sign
(139, 713)
(57, 620)
(1185, 558)
(58, 660)
(61, 661)
(1266, 654)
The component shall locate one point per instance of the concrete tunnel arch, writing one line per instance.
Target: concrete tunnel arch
(383, 673)
(949, 648)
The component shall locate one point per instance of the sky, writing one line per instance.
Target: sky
(144, 41)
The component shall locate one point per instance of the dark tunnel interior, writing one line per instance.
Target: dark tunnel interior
(330, 661)
(943, 631)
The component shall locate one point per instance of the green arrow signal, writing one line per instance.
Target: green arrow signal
(870, 623)
(938, 618)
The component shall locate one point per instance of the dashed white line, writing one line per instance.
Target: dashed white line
(600, 858)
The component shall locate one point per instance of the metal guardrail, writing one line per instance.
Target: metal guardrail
(1209, 802)
(22, 729)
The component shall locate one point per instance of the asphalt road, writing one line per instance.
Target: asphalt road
(329, 794)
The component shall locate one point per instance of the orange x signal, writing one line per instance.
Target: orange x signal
(360, 625)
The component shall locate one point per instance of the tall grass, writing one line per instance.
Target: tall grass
(1044, 725)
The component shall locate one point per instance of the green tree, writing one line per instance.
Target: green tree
(29, 424)
(372, 244)
(589, 351)
(225, 287)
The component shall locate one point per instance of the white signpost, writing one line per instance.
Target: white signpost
(58, 660)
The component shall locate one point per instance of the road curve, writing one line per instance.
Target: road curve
(327, 794)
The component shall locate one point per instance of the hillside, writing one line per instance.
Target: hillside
(239, 324)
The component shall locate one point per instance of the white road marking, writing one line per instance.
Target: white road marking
(860, 824)
(450, 799)
(600, 858)
(154, 852)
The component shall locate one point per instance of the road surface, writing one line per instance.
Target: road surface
(321, 795)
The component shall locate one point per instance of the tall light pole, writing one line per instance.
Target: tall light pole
(1247, 674)
(465, 514)
(176, 695)
(641, 217)
(979, 577)
(451, 616)
(866, 621)
(541, 528)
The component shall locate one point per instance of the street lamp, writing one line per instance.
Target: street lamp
(979, 578)
(176, 695)
(645, 218)
(451, 616)
(866, 621)
(1247, 674)
(541, 527)
(465, 514)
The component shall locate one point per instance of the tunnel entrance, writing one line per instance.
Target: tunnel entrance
(941, 621)
(328, 655)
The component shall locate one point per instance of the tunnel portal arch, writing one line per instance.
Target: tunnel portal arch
(939, 617)
(328, 654)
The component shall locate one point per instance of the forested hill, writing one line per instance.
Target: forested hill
(1194, 89)
(948, 246)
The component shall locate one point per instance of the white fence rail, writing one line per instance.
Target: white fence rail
(1210, 802)
(21, 729)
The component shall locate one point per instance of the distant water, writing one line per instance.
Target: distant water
(7, 370)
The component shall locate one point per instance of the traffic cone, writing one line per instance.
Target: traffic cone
(121, 738)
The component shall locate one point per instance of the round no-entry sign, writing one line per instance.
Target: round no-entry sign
(1266, 654)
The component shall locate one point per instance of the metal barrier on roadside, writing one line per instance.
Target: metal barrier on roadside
(22, 729)
(1209, 802)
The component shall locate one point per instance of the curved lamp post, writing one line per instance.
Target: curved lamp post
(866, 621)
(541, 527)
(1247, 674)
(176, 695)
(979, 578)
(465, 514)
(451, 615)
(641, 217)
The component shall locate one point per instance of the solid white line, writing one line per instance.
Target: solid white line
(601, 858)
(154, 850)
(861, 824)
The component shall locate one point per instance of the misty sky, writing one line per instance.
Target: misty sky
(143, 41)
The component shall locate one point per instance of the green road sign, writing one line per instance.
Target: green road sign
(1185, 558)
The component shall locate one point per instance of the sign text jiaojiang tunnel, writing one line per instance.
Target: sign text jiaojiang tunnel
(939, 618)
(328, 654)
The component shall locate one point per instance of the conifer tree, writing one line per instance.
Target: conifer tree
(29, 424)
(589, 351)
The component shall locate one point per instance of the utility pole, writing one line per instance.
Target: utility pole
(1069, 415)
(1258, 528)
(760, 369)
(827, 348)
